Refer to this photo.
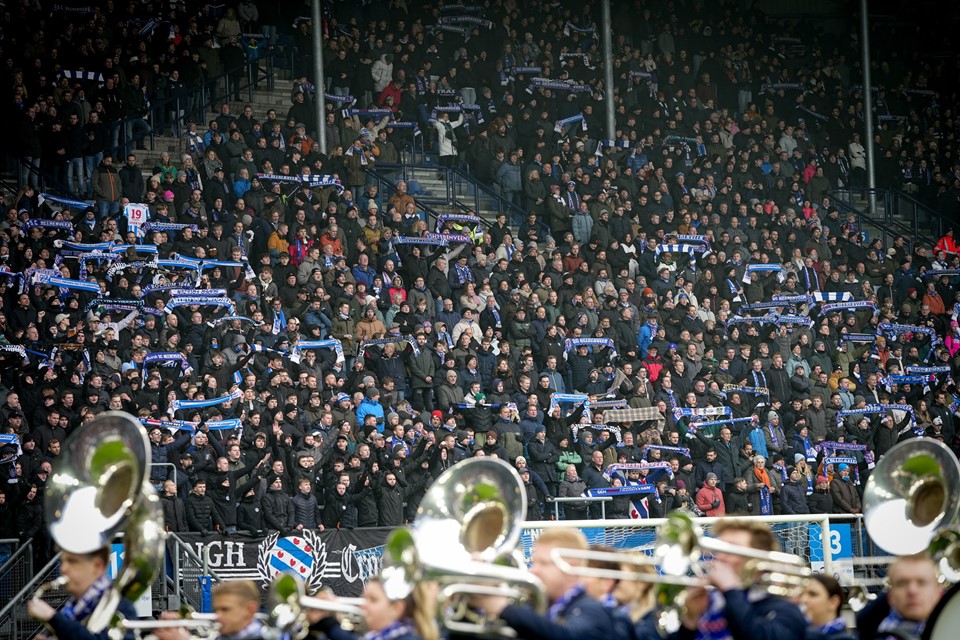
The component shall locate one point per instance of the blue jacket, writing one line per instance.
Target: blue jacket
(75, 630)
(770, 618)
(582, 619)
(373, 408)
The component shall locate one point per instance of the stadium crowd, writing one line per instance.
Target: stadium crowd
(306, 354)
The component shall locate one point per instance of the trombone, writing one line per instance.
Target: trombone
(677, 552)
(288, 604)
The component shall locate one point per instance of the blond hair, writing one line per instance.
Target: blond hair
(761, 537)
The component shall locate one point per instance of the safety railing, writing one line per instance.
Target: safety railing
(16, 568)
(173, 113)
(172, 466)
(14, 621)
(603, 500)
(387, 186)
(189, 575)
(876, 227)
(902, 213)
(457, 188)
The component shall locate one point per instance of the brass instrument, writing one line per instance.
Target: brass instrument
(911, 503)
(288, 603)
(100, 487)
(201, 625)
(677, 552)
(911, 495)
(464, 538)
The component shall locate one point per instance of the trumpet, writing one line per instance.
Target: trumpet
(53, 585)
(202, 625)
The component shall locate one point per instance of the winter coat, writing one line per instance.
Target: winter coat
(250, 515)
(793, 499)
(845, 496)
(278, 512)
(447, 139)
(305, 510)
(820, 502)
(544, 457)
(174, 514)
(706, 497)
(201, 515)
(106, 183)
(574, 489)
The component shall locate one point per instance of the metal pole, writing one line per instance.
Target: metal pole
(608, 69)
(318, 78)
(867, 105)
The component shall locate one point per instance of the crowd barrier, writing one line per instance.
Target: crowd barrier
(344, 559)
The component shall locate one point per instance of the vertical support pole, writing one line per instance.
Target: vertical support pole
(318, 77)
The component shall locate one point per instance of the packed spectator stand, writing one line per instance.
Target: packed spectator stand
(684, 299)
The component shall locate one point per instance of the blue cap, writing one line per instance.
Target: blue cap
(341, 397)
(673, 345)
(843, 467)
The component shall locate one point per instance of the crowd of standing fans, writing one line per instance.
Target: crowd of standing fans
(626, 275)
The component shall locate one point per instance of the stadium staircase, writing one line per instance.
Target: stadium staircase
(894, 213)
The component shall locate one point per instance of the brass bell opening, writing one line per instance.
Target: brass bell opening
(929, 502)
(118, 486)
(484, 526)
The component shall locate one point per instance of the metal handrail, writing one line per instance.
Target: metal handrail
(431, 213)
(601, 499)
(194, 557)
(21, 550)
(461, 177)
(167, 464)
(27, 591)
(887, 228)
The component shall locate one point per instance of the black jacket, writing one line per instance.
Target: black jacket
(278, 512)
(174, 514)
(306, 511)
(201, 514)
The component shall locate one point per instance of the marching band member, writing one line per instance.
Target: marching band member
(235, 602)
(385, 619)
(87, 583)
(902, 612)
(573, 614)
(731, 611)
(636, 615)
(821, 602)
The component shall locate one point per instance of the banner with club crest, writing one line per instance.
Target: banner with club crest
(341, 559)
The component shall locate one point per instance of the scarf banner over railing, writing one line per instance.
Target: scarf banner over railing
(342, 560)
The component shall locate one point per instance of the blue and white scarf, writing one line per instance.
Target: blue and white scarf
(329, 343)
(832, 307)
(572, 343)
(558, 85)
(178, 405)
(78, 609)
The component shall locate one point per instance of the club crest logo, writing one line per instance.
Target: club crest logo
(302, 555)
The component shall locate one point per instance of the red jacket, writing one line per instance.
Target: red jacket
(706, 497)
